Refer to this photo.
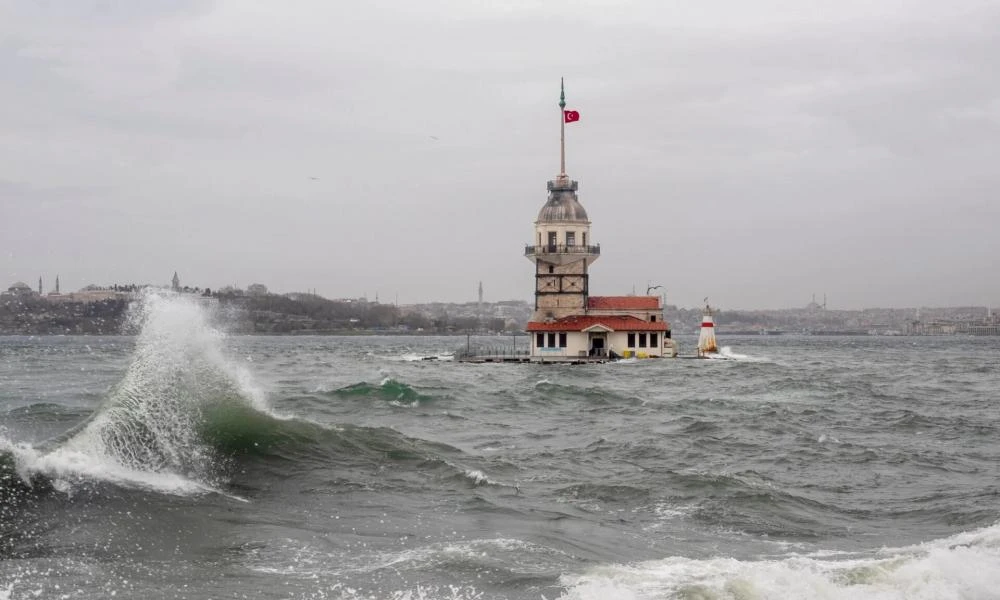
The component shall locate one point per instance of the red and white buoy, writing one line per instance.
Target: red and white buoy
(706, 339)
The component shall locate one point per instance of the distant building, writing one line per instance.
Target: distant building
(20, 289)
(175, 283)
(54, 294)
(257, 289)
(815, 306)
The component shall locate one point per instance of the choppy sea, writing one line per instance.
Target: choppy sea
(188, 463)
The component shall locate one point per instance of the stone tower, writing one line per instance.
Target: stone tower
(563, 249)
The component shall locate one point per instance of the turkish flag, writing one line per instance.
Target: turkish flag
(571, 115)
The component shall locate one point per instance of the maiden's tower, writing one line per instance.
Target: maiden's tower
(568, 323)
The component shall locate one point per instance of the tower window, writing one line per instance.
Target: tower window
(552, 269)
(652, 318)
(631, 340)
(570, 238)
(553, 240)
(584, 241)
(539, 340)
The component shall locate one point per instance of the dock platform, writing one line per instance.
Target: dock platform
(524, 358)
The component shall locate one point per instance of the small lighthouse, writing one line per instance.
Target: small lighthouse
(706, 338)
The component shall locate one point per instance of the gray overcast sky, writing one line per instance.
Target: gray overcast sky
(755, 152)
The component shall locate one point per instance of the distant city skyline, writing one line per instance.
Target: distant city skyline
(755, 153)
(817, 300)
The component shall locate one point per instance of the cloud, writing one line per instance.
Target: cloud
(763, 151)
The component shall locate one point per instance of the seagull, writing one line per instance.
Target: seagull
(314, 178)
(433, 137)
(652, 287)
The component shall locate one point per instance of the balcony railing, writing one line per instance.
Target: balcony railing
(561, 249)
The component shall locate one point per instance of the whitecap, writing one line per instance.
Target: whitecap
(961, 566)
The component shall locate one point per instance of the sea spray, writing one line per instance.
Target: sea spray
(148, 431)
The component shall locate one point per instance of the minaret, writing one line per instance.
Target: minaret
(175, 283)
(39, 286)
(57, 284)
(479, 306)
(562, 248)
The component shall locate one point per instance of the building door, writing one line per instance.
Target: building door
(597, 344)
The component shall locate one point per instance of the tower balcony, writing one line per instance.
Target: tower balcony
(553, 250)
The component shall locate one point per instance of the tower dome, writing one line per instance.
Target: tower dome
(562, 205)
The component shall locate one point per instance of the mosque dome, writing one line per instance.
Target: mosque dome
(562, 205)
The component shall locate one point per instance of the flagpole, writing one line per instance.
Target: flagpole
(562, 129)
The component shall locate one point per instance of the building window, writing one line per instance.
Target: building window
(631, 340)
(562, 340)
(652, 341)
(553, 240)
(652, 318)
(552, 269)
(584, 241)
(570, 238)
(540, 340)
(552, 340)
(642, 340)
(539, 238)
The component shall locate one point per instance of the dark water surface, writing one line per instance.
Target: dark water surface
(187, 464)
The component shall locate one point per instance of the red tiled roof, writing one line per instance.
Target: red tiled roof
(612, 322)
(624, 302)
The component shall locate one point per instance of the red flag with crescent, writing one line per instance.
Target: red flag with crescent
(571, 115)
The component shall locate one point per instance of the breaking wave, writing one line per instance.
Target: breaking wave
(726, 353)
(187, 419)
(149, 432)
(960, 566)
(411, 357)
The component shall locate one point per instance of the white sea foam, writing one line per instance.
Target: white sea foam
(432, 555)
(412, 357)
(824, 438)
(726, 353)
(67, 468)
(962, 566)
(479, 478)
(421, 592)
(665, 511)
